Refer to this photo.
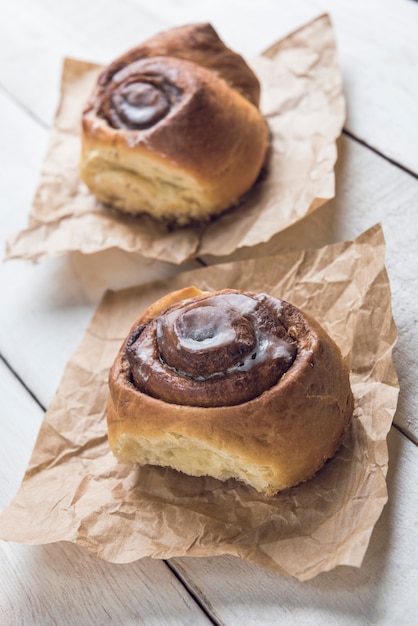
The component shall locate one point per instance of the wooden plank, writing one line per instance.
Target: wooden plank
(61, 583)
(382, 591)
(379, 71)
(22, 149)
(379, 59)
(36, 295)
(20, 419)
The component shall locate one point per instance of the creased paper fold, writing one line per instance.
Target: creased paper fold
(75, 490)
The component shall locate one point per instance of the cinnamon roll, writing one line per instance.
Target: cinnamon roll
(173, 128)
(229, 384)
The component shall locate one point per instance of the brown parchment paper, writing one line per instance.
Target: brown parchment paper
(303, 101)
(75, 490)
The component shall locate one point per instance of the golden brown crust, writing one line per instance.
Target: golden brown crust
(173, 128)
(274, 441)
(200, 44)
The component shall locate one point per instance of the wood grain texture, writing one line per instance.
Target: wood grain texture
(20, 419)
(61, 584)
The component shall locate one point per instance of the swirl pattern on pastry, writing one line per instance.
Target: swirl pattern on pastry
(138, 99)
(229, 384)
(173, 128)
(216, 350)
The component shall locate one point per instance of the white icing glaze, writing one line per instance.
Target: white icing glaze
(239, 302)
(221, 333)
(147, 352)
(267, 348)
(274, 302)
(221, 338)
(137, 115)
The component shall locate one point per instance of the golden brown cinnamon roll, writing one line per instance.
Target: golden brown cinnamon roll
(229, 384)
(173, 128)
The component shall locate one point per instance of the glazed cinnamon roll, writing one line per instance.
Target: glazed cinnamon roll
(229, 384)
(173, 128)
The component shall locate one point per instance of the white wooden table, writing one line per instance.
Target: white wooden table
(46, 307)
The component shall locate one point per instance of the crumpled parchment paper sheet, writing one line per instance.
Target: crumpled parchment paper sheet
(75, 490)
(303, 102)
